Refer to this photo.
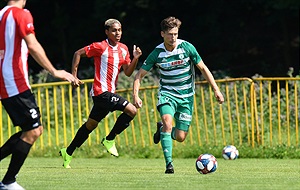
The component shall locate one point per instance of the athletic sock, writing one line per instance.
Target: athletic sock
(9, 145)
(166, 144)
(121, 124)
(19, 154)
(80, 137)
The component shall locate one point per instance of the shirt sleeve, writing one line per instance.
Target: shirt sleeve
(127, 57)
(25, 22)
(194, 55)
(150, 61)
(93, 50)
(124, 54)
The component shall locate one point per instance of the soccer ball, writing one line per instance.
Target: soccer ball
(230, 152)
(206, 163)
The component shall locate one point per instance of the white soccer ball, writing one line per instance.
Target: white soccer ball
(206, 163)
(230, 152)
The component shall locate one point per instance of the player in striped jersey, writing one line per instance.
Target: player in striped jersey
(110, 56)
(175, 59)
(17, 38)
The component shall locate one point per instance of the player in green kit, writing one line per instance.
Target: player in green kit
(175, 59)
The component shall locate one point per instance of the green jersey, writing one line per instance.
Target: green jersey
(176, 68)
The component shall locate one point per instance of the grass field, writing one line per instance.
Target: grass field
(125, 173)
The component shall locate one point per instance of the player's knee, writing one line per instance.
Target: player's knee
(180, 139)
(37, 132)
(32, 135)
(131, 110)
(41, 130)
(91, 124)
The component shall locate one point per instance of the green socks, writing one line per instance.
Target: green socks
(166, 143)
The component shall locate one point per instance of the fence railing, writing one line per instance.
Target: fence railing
(261, 111)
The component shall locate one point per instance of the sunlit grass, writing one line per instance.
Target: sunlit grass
(126, 173)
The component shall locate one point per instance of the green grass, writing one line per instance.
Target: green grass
(126, 173)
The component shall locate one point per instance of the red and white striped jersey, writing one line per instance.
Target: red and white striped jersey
(15, 24)
(108, 61)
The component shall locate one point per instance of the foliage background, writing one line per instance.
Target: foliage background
(237, 38)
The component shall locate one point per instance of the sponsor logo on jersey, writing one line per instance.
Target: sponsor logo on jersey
(179, 62)
(172, 64)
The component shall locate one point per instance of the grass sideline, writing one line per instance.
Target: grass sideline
(126, 173)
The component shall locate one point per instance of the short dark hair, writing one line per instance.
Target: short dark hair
(169, 23)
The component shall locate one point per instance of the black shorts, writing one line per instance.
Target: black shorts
(23, 110)
(105, 103)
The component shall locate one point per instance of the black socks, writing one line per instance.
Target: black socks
(80, 137)
(121, 124)
(19, 154)
(9, 145)
(83, 133)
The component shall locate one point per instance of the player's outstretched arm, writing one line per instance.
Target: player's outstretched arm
(75, 62)
(128, 69)
(137, 102)
(39, 55)
(210, 79)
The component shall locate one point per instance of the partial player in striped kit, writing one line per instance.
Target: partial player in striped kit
(110, 55)
(176, 60)
(17, 39)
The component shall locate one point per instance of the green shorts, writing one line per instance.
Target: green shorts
(181, 109)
